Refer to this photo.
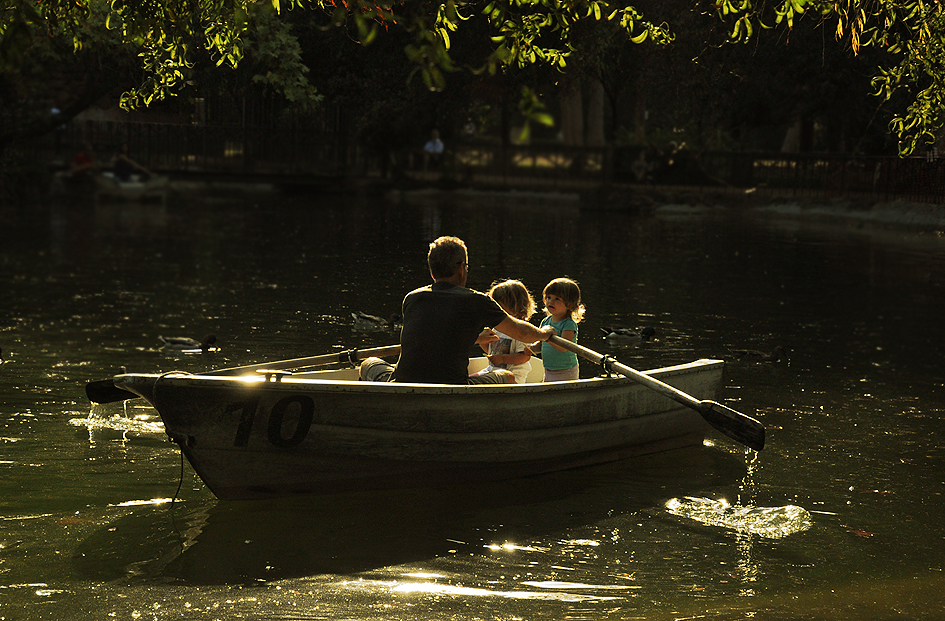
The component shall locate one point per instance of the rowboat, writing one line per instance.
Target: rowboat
(255, 432)
(135, 189)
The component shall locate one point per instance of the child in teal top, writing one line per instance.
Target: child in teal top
(564, 311)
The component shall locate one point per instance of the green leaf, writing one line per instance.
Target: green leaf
(371, 35)
(525, 134)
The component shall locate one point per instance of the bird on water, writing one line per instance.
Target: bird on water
(185, 343)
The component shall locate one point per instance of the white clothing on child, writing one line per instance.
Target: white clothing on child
(508, 345)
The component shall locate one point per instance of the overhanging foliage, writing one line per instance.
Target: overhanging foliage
(171, 34)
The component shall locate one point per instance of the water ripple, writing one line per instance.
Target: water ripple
(446, 589)
(770, 522)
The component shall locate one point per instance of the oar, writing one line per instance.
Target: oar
(349, 355)
(105, 391)
(741, 428)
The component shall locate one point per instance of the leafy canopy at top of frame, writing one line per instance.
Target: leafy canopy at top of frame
(170, 34)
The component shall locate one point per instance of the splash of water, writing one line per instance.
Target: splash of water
(770, 522)
(123, 419)
(118, 423)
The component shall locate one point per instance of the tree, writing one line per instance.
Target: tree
(71, 73)
(912, 32)
(169, 34)
(52, 68)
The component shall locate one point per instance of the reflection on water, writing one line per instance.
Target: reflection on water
(247, 542)
(770, 522)
(556, 591)
(126, 417)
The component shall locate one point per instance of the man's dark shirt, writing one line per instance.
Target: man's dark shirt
(441, 324)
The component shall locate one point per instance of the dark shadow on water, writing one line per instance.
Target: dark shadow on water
(250, 542)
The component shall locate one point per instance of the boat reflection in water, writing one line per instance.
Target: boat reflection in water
(250, 542)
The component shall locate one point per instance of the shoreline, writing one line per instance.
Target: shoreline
(668, 201)
(860, 211)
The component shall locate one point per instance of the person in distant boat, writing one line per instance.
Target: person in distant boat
(564, 311)
(123, 166)
(443, 321)
(83, 163)
(506, 352)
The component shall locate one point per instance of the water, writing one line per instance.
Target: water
(840, 517)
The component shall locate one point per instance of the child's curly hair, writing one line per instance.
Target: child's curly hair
(514, 296)
(570, 294)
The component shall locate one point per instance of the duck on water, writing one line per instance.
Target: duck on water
(753, 355)
(645, 334)
(188, 344)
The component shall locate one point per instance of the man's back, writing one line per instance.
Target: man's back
(441, 324)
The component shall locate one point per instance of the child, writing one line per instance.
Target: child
(507, 353)
(564, 311)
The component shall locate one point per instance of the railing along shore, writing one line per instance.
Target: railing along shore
(317, 155)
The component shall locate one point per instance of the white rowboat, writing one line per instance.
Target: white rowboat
(268, 433)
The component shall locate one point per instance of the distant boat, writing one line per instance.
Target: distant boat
(107, 185)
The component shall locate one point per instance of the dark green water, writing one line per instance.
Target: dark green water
(840, 517)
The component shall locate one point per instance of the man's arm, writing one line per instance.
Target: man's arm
(524, 331)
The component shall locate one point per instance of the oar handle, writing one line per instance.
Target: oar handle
(105, 391)
(349, 355)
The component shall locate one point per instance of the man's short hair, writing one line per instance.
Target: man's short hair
(446, 254)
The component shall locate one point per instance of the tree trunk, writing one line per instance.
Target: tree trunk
(572, 112)
(595, 114)
(639, 112)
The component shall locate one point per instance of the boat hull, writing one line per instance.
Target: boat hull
(107, 186)
(310, 433)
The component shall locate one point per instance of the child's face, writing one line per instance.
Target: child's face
(556, 306)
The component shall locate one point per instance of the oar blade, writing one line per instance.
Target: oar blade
(735, 425)
(105, 391)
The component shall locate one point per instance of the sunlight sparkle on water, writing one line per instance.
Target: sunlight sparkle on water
(447, 589)
(137, 503)
(138, 424)
(422, 574)
(551, 584)
(509, 547)
(770, 522)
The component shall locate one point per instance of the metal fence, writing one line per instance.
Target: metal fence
(802, 175)
(809, 175)
(321, 150)
(215, 149)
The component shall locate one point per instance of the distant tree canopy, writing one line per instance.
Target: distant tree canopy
(170, 36)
